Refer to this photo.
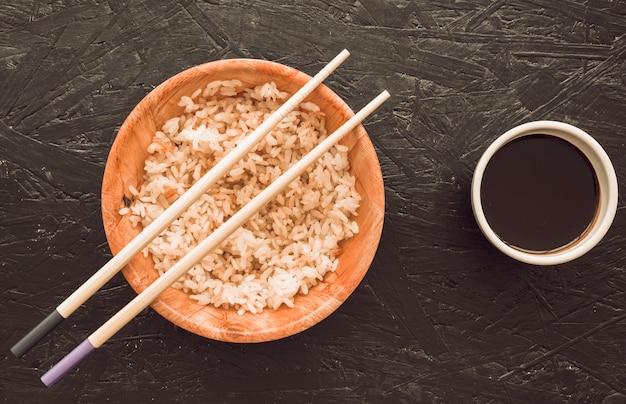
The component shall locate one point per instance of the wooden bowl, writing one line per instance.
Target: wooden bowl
(125, 166)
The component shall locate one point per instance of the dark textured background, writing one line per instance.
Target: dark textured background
(441, 315)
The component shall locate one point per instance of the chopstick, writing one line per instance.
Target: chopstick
(135, 306)
(113, 266)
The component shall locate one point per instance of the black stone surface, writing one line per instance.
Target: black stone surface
(441, 316)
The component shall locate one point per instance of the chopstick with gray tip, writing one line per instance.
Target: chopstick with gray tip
(135, 306)
(104, 274)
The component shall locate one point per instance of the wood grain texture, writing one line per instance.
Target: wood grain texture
(441, 315)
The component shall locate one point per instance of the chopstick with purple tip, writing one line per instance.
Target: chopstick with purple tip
(135, 306)
(104, 274)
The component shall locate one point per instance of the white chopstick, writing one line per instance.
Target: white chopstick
(104, 274)
(135, 306)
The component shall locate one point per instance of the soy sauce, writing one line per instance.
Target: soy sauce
(539, 193)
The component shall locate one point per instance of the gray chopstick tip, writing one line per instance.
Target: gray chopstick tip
(36, 334)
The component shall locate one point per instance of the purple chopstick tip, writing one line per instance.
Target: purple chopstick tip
(68, 363)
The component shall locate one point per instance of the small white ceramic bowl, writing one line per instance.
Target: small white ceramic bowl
(607, 183)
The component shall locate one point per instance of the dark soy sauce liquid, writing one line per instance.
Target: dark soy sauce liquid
(539, 193)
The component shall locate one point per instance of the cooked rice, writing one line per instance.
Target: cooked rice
(288, 246)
